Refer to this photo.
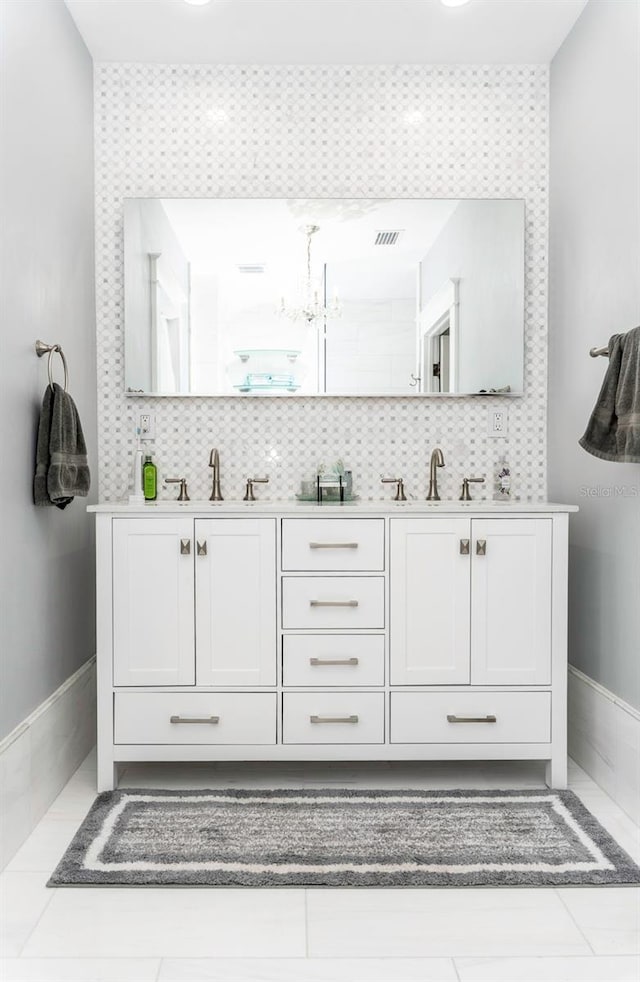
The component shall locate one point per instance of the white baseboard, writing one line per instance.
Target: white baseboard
(40, 755)
(604, 739)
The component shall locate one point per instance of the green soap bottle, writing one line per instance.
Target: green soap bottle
(149, 479)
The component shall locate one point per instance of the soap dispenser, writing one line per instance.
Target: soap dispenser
(149, 479)
(502, 483)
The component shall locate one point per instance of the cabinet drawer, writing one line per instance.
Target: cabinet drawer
(145, 717)
(333, 659)
(422, 717)
(340, 602)
(333, 717)
(333, 544)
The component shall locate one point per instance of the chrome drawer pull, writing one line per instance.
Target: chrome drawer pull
(194, 719)
(333, 603)
(185, 547)
(333, 545)
(464, 547)
(333, 719)
(471, 719)
(481, 547)
(333, 661)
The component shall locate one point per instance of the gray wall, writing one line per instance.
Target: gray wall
(595, 292)
(46, 291)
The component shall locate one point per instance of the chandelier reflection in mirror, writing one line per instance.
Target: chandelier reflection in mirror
(311, 309)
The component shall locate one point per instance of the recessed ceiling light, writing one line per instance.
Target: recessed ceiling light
(197, 3)
(448, 3)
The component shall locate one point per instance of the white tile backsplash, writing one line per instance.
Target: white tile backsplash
(320, 131)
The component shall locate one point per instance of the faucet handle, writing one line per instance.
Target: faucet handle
(466, 481)
(182, 481)
(248, 493)
(399, 495)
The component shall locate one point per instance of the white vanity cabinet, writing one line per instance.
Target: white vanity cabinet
(334, 596)
(389, 631)
(159, 567)
(235, 577)
(471, 601)
(186, 612)
(153, 637)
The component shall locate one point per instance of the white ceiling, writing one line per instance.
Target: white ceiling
(325, 31)
(216, 232)
(220, 234)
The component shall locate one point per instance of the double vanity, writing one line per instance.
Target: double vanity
(297, 630)
(364, 631)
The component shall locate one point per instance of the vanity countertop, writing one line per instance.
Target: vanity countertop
(292, 507)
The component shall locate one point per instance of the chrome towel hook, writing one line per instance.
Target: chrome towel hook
(43, 349)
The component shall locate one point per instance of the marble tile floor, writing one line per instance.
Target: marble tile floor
(294, 935)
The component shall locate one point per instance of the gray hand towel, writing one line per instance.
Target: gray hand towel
(40, 495)
(613, 432)
(62, 471)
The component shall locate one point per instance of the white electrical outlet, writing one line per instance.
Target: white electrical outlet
(498, 422)
(147, 426)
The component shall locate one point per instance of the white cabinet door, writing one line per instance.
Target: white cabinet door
(153, 638)
(511, 601)
(236, 601)
(430, 601)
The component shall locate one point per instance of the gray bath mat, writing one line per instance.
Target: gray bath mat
(342, 838)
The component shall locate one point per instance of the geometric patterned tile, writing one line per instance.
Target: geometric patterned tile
(451, 131)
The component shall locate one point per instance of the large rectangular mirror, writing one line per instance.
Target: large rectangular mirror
(323, 296)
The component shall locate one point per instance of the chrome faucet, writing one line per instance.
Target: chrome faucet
(214, 462)
(437, 460)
